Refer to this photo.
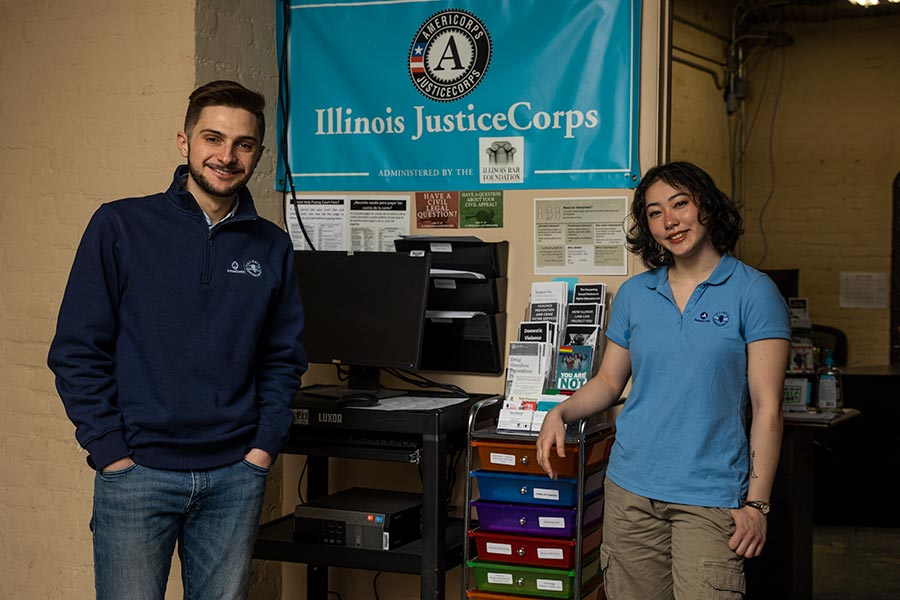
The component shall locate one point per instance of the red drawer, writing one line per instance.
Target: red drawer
(529, 550)
(524, 550)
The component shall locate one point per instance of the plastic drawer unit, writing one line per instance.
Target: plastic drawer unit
(530, 536)
(522, 458)
(534, 489)
(531, 581)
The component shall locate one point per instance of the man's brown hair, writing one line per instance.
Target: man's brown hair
(225, 93)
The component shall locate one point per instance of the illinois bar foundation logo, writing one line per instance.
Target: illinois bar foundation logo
(501, 160)
(449, 55)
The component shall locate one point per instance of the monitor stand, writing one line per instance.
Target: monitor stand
(338, 392)
(362, 381)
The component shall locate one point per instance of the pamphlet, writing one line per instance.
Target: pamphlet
(590, 292)
(796, 394)
(574, 366)
(550, 291)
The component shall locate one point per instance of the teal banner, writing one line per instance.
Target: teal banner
(460, 95)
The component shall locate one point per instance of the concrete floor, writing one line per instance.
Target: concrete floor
(856, 563)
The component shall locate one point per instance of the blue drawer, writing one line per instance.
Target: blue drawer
(497, 486)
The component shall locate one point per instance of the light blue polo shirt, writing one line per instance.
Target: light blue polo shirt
(681, 434)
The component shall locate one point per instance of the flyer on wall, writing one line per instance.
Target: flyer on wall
(580, 236)
(347, 222)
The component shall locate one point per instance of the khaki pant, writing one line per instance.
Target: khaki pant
(655, 550)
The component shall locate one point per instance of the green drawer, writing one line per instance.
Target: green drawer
(530, 581)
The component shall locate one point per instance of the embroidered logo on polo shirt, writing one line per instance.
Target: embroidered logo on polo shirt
(251, 267)
(702, 317)
(720, 318)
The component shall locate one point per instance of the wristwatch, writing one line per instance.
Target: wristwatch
(761, 506)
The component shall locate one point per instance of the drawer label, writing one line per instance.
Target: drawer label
(545, 494)
(550, 585)
(550, 553)
(501, 578)
(552, 522)
(503, 459)
(444, 284)
(494, 548)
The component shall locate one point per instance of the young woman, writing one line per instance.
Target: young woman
(701, 335)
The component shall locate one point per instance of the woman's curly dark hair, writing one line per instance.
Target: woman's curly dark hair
(718, 213)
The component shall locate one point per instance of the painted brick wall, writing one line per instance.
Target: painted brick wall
(99, 91)
(836, 146)
(836, 142)
(699, 125)
(92, 95)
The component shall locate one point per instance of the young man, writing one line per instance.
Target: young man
(177, 352)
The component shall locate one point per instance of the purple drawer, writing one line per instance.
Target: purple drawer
(527, 519)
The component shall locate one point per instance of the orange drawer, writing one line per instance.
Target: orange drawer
(479, 595)
(522, 457)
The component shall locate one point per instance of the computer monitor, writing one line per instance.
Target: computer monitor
(787, 280)
(365, 311)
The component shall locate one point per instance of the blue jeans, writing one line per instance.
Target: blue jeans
(140, 514)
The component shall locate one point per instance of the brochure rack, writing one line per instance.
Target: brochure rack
(534, 537)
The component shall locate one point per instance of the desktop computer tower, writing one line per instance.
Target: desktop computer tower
(360, 518)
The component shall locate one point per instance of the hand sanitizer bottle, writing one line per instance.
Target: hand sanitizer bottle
(829, 388)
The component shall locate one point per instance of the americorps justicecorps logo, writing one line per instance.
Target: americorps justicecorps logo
(720, 318)
(449, 55)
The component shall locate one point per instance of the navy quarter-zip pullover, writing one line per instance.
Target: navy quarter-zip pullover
(178, 344)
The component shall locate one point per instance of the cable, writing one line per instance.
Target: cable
(284, 101)
(761, 38)
(300, 482)
(771, 37)
(762, 211)
(762, 94)
(451, 480)
(343, 372)
(421, 381)
(375, 584)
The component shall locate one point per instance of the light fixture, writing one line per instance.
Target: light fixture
(868, 3)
